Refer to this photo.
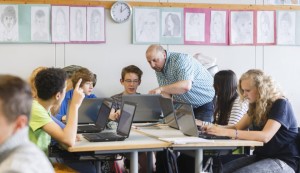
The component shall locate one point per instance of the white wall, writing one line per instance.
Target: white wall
(107, 60)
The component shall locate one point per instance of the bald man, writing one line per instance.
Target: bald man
(182, 77)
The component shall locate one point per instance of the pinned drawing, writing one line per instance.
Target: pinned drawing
(147, 25)
(40, 23)
(265, 27)
(77, 23)
(241, 24)
(218, 27)
(95, 24)
(60, 24)
(9, 29)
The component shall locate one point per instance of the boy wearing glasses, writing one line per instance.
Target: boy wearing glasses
(130, 79)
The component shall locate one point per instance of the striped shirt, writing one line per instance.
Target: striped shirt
(179, 67)
(238, 110)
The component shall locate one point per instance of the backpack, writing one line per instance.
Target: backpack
(166, 161)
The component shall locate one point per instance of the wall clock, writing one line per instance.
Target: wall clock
(120, 11)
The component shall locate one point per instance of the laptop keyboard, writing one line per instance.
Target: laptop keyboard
(84, 128)
(102, 135)
(209, 136)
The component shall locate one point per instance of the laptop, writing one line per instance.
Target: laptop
(186, 121)
(88, 110)
(148, 107)
(100, 124)
(123, 129)
(168, 112)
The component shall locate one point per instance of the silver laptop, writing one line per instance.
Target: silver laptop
(168, 112)
(186, 121)
(102, 119)
(148, 107)
(123, 129)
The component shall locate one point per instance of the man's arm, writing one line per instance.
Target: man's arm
(179, 87)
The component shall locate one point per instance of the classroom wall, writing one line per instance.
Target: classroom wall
(107, 60)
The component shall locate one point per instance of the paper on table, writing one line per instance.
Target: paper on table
(185, 140)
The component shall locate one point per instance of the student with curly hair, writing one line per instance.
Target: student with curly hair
(273, 122)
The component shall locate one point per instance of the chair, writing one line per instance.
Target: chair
(208, 62)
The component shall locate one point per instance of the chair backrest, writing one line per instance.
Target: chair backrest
(208, 62)
(213, 70)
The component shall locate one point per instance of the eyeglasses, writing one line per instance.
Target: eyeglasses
(131, 81)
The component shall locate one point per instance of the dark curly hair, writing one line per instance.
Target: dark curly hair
(50, 81)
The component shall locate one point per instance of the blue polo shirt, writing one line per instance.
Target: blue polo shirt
(179, 67)
(64, 105)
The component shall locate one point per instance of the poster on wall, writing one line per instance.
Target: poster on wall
(171, 26)
(9, 25)
(265, 27)
(196, 26)
(95, 25)
(146, 25)
(60, 24)
(78, 24)
(286, 27)
(242, 27)
(218, 34)
(40, 23)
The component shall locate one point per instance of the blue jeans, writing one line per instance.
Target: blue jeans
(205, 112)
(251, 164)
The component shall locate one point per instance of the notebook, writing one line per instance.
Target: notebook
(123, 129)
(148, 107)
(168, 112)
(100, 124)
(186, 121)
(88, 110)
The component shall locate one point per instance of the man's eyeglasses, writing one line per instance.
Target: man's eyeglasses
(131, 81)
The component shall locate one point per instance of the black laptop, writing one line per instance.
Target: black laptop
(148, 107)
(123, 129)
(186, 121)
(102, 118)
(88, 110)
(168, 112)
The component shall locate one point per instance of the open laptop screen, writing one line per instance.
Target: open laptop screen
(126, 117)
(88, 110)
(148, 107)
(103, 114)
(185, 119)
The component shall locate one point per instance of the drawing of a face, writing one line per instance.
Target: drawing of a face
(8, 18)
(244, 25)
(149, 22)
(264, 24)
(217, 23)
(95, 24)
(60, 23)
(169, 23)
(40, 20)
(285, 23)
(78, 23)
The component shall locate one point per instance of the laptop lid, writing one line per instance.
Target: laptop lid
(148, 107)
(103, 114)
(185, 119)
(127, 114)
(168, 112)
(88, 110)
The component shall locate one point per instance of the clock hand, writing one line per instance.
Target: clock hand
(121, 10)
